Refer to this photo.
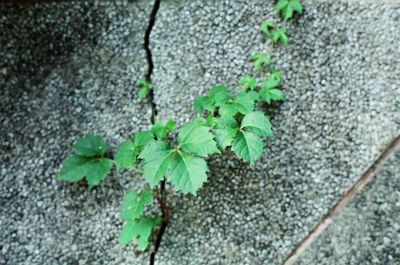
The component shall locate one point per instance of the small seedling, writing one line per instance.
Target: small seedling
(279, 36)
(248, 82)
(286, 8)
(260, 60)
(267, 26)
(144, 87)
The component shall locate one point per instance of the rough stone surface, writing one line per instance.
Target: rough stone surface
(66, 70)
(367, 232)
(342, 108)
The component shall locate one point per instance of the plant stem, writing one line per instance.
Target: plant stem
(162, 200)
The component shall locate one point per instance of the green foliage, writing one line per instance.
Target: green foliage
(196, 139)
(133, 205)
(129, 150)
(286, 8)
(184, 165)
(139, 229)
(279, 36)
(248, 82)
(90, 145)
(88, 162)
(156, 159)
(202, 103)
(246, 141)
(161, 130)
(260, 60)
(267, 26)
(243, 103)
(227, 128)
(224, 120)
(144, 87)
(269, 91)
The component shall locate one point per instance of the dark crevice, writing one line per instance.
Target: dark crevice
(162, 195)
(149, 57)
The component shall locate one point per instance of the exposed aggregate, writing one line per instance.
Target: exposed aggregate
(66, 70)
(70, 69)
(368, 231)
(342, 108)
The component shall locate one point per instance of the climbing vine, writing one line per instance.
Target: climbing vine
(224, 120)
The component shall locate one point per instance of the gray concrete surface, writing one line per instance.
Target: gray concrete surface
(342, 107)
(67, 70)
(368, 231)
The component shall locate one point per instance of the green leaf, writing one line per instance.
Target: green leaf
(194, 138)
(129, 150)
(219, 94)
(160, 130)
(97, 171)
(260, 59)
(295, 4)
(140, 229)
(244, 102)
(210, 121)
(279, 35)
(74, 168)
(273, 94)
(126, 155)
(143, 92)
(273, 81)
(225, 131)
(90, 145)
(257, 123)
(133, 205)
(144, 87)
(203, 103)
(228, 109)
(287, 12)
(187, 173)
(267, 26)
(248, 82)
(247, 146)
(281, 4)
(156, 159)
(253, 95)
(141, 139)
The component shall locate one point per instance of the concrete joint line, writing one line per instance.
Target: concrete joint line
(346, 198)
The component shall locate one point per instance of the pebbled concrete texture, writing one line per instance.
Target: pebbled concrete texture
(68, 70)
(366, 232)
(342, 108)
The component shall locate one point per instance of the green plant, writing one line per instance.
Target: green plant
(277, 35)
(286, 8)
(144, 88)
(260, 60)
(224, 120)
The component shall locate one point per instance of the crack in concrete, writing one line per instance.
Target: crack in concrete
(149, 57)
(346, 198)
(162, 200)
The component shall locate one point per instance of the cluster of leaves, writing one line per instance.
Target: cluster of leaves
(277, 35)
(225, 121)
(286, 8)
(88, 162)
